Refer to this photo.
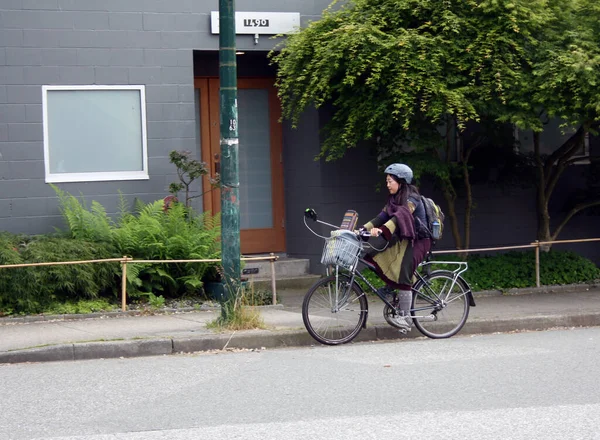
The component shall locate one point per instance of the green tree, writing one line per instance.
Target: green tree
(410, 73)
(563, 84)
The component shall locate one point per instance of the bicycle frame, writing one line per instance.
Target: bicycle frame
(432, 297)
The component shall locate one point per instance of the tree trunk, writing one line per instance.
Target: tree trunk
(448, 188)
(465, 155)
(450, 198)
(543, 224)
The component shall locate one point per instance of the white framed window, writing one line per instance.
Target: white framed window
(94, 133)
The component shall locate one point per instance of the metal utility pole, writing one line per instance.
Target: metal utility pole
(230, 203)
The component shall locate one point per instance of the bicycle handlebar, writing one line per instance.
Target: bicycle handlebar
(311, 214)
(363, 234)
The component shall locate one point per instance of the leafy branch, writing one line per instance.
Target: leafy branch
(188, 171)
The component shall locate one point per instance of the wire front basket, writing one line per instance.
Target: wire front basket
(341, 249)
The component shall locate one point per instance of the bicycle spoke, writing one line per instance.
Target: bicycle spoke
(445, 316)
(425, 298)
(456, 297)
(330, 322)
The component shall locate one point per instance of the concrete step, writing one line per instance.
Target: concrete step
(285, 267)
(290, 273)
(303, 282)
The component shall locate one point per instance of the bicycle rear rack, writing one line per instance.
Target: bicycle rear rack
(462, 266)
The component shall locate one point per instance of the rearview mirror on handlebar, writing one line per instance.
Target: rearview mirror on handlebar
(311, 214)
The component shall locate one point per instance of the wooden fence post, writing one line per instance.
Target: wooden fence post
(537, 263)
(124, 285)
(273, 283)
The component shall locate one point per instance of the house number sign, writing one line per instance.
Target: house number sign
(255, 23)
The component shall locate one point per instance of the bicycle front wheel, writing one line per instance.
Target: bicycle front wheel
(334, 312)
(440, 305)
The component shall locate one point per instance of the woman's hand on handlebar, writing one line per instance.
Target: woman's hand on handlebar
(375, 232)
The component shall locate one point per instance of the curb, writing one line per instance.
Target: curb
(567, 288)
(261, 339)
(119, 314)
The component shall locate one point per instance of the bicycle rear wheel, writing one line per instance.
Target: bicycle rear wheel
(334, 314)
(440, 306)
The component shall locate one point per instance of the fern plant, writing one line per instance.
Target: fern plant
(84, 224)
(151, 232)
(175, 234)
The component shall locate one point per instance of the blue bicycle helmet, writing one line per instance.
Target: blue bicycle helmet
(401, 171)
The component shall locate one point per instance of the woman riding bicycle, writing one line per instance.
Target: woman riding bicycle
(400, 237)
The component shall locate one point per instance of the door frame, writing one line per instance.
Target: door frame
(252, 241)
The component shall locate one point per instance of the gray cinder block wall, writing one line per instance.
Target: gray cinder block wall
(113, 42)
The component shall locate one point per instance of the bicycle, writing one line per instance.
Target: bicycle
(335, 308)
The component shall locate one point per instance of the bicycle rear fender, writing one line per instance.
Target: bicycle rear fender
(471, 298)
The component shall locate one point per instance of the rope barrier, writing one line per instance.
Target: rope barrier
(127, 260)
(273, 258)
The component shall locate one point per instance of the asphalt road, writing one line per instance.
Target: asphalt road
(538, 385)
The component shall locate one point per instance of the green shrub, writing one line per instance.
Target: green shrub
(517, 269)
(150, 233)
(177, 234)
(32, 289)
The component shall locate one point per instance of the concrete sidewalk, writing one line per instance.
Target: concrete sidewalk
(40, 339)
